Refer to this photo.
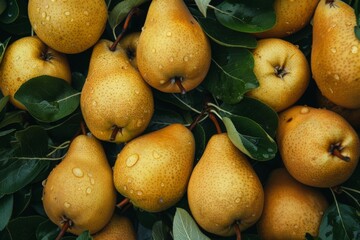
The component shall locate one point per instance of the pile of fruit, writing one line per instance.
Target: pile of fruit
(172, 119)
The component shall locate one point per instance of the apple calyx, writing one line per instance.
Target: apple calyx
(330, 2)
(178, 81)
(335, 150)
(66, 224)
(115, 130)
(46, 55)
(280, 71)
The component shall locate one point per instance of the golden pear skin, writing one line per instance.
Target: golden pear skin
(335, 56)
(172, 48)
(80, 188)
(153, 169)
(68, 26)
(291, 209)
(116, 103)
(119, 227)
(319, 148)
(130, 43)
(224, 189)
(26, 58)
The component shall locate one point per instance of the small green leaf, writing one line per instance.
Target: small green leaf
(33, 142)
(84, 236)
(231, 74)
(160, 231)
(340, 222)
(6, 207)
(246, 15)
(24, 228)
(3, 48)
(203, 5)
(47, 230)
(11, 12)
(12, 118)
(185, 228)
(47, 98)
(250, 138)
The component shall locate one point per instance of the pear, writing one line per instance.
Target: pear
(79, 190)
(224, 190)
(291, 209)
(116, 103)
(173, 53)
(68, 26)
(319, 148)
(130, 43)
(26, 58)
(119, 227)
(335, 56)
(153, 170)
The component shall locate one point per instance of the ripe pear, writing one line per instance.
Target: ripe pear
(173, 53)
(283, 73)
(26, 58)
(116, 103)
(335, 56)
(68, 26)
(224, 190)
(291, 209)
(130, 43)
(319, 148)
(291, 16)
(80, 190)
(153, 169)
(119, 227)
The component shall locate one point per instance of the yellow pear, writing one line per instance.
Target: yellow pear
(116, 103)
(283, 73)
(130, 43)
(119, 227)
(291, 209)
(153, 170)
(224, 190)
(335, 56)
(68, 26)
(318, 147)
(26, 58)
(173, 53)
(291, 16)
(80, 190)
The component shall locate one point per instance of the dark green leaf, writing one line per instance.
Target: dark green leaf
(3, 6)
(203, 5)
(3, 48)
(185, 228)
(163, 118)
(231, 74)
(24, 228)
(224, 36)
(357, 32)
(47, 98)
(265, 116)
(21, 200)
(247, 15)
(84, 236)
(14, 117)
(78, 80)
(250, 138)
(342, 222)
(47, 230)
(33, 142)
(200, 140)
(160, 231)
(354, 180)
(11, 12)
(6, 208)
(3, 103)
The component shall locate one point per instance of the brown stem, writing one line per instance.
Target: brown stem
(67, 224)
(125, 208)
(126, 25)
(178, 81)
(216, 123)
(115, 131)
(123, 203)
(337, 189)
(335, 149)
(83, 128)
(237, 230)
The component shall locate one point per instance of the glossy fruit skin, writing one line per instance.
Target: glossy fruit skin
(224, 189)
(291, 209)
(26, 58)
(306, 137)
(153, 169)
(335, 55)
(172, 45)
(68, 26)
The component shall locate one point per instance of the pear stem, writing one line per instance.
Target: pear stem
(67, 224)
(178, 81)
(126, 25)
(123, 203)
(83, 128)
(237, 230)
(335, 149)
(216, 123)
(115, 131)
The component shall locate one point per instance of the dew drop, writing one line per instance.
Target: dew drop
(43, 14)
(161, 66)
(247, 206)
(77, 172)
(354, 49)
(38, 9)
(94, 103)
(43, 183)
(47, 18)
(337, 77)
(287, 23)
(161, 200)
(171, 59)
(51, 188)
(296, 226)
(125, 188)
(88, 190)
(253, 215)
(186, 58)
(333, 50)
(139, 123)
(47, 6)
(92, 181)
(42, 23)
(304, 110)
(87, 24)
(129, 180)
(139, 193)
(156, 154)
(237, 200)
(153, 51)
(90, 175)
(348, 23)
(162, 184)
(67, 13)
(162, 81)
(86, 13)
(143, 29)
(168, 34)
(67, 205)
(131, 191)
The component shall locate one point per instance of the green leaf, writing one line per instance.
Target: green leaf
(160, 231)
(3, 6)
(185, 228)
(224, 36)
(191, 101)
(246, 15)
(6, 207)
(163, 118)
(33, 142)
(84, 236)
(24, 228)
(231, 74)
(22, 200)
(3, 103)
(250, 138)
(14, 117)
(47, 98)
(340, 222)
(11, 12)
(3, 48)
(203, 5)
(47, 230)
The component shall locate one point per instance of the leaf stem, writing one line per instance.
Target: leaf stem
(338, 210)
(351, 189)
(352, 197)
